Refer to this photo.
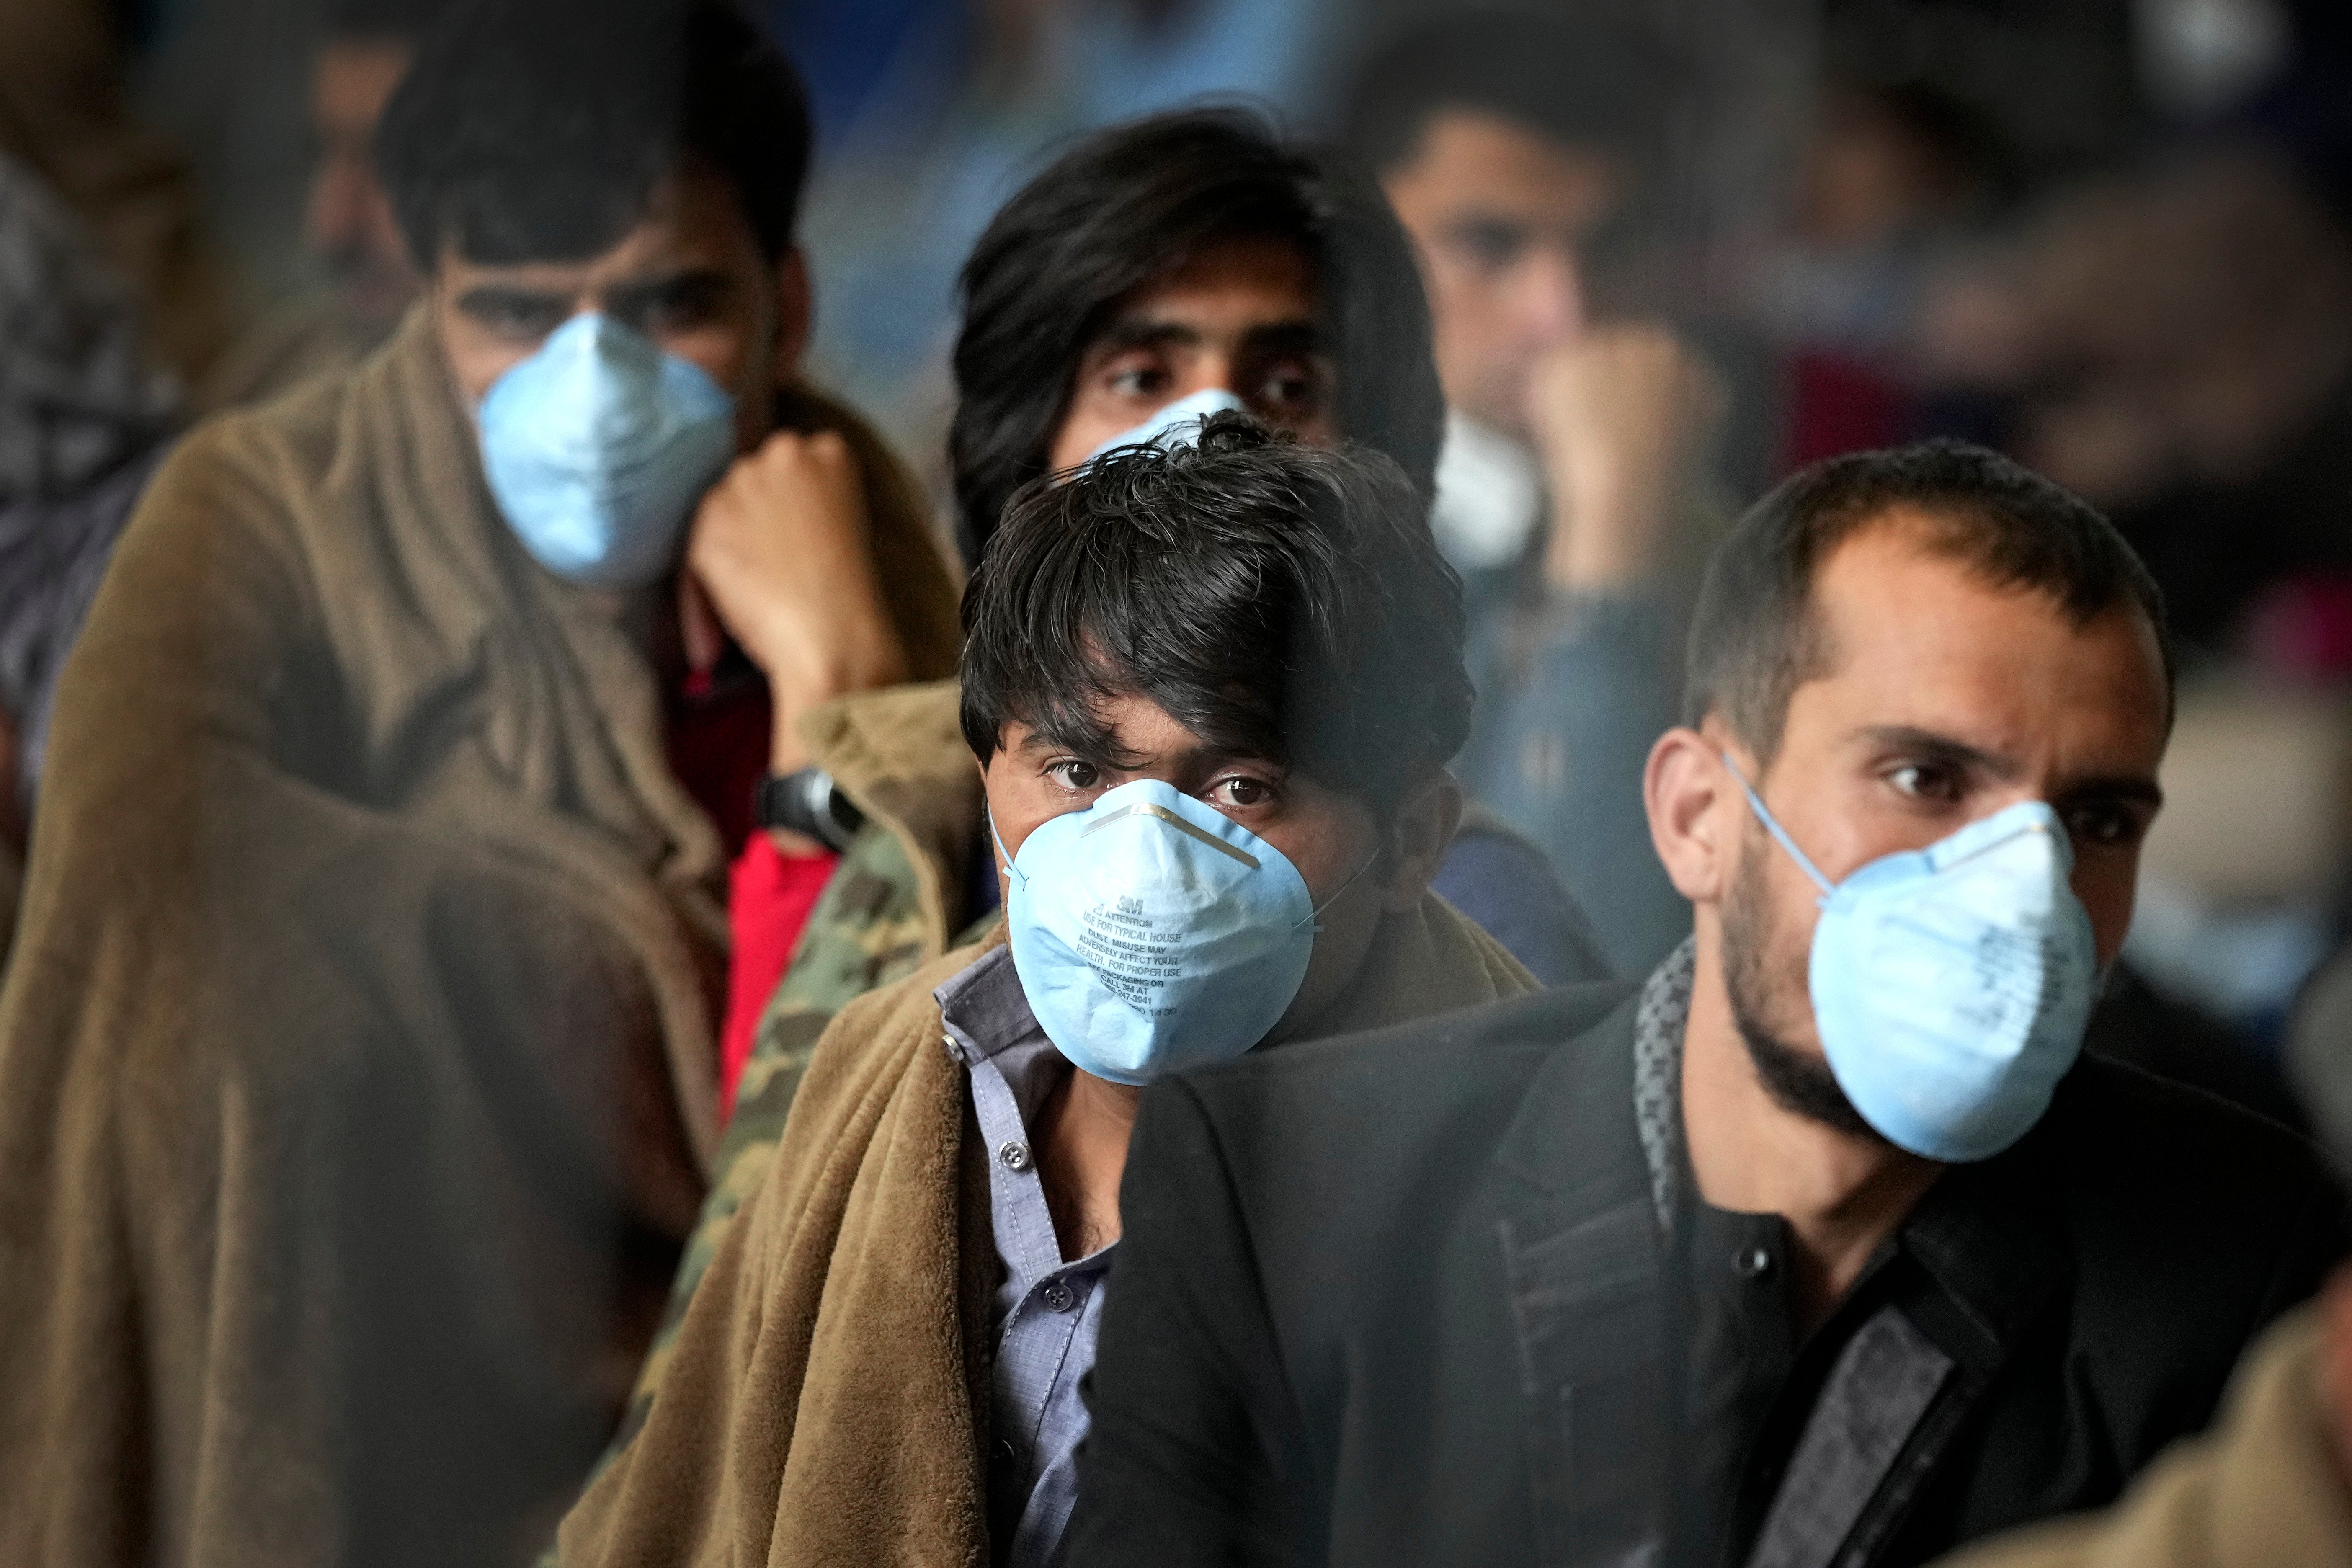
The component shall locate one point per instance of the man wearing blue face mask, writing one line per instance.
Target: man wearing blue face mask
(1825, 1244)
(359, 1056)
(1210, 692)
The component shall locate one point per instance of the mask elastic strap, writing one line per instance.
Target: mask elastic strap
(1003, 859)
(1756, 804)
(1315, 914)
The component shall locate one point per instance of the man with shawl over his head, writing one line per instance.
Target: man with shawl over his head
(358, 1052)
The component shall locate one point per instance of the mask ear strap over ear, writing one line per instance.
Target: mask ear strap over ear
(1772, 825)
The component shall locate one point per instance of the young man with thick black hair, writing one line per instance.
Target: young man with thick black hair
(1323, 331)
(1825, 1244)
(357, 1055)
(1210, 692)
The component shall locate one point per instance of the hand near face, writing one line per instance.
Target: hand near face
(1621, 414)
(779, 558)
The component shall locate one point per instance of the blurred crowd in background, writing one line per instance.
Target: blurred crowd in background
(2109, 236)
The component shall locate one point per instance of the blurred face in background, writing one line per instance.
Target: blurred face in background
(1239, 316)
(348, 224)
(690, 275)
(1499, 215)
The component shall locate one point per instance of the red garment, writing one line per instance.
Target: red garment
(769, 895)
(718, 745)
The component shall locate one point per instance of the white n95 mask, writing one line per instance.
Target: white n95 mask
(1951, 984)
(597, 448)
(1177, 424)
(1153, 933)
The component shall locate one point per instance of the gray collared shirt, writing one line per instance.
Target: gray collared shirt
(1047, 1313)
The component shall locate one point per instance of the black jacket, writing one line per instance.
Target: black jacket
(1402, 1298)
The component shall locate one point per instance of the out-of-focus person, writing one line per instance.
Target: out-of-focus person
(1519, 151)
(83, 418)
(348, 227)
(2271, 1485)
(1893, 176)
(1825, 1243)
(967, 103)
(2177, 344)
(1210, 687)
(65, 114)
(1296, 299)
(358, 1053)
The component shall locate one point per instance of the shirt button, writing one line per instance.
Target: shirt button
(1751, 1263)
(1058, 1296)
(1014, 1156)
(1005, 1454)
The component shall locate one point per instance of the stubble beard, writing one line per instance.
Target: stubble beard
(1800, 1084)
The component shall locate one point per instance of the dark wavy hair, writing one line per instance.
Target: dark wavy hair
(1127, 206)
(537, 130)
(1280, 601)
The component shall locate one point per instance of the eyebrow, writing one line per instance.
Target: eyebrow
(623, 297)
(1142, 332)
(509, 294)
(1299, 336)
(1284, 337)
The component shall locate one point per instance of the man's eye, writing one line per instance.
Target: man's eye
(1286, 394)
(1072, 774)
(1924, 781)
(680, 309)
(1491, 246)
(1139, 381)
(2102, 825)
(1240, 791)
(517, 319)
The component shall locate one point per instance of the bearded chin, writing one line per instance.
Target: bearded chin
(1800, 1084)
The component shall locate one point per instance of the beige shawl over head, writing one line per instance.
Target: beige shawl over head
(827, 1401)
(356, 1057)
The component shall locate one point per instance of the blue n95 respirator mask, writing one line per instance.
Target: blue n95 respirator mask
(1951, 984)
(1177, 424)
(1153, 933)
(597, 448)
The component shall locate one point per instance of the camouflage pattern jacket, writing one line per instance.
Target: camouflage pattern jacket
(896, 902)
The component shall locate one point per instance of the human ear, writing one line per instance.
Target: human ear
(795, 309)
(1686, 787)
(1422, 833)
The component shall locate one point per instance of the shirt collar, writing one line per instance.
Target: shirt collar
(987, 1017)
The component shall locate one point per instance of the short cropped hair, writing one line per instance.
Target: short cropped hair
(1579, 79)
(538, 130)
(1281, 601)
(1754, 635)
(1126, 207)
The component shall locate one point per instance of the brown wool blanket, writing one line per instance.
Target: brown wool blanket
(356, 1057)
(827, 1401)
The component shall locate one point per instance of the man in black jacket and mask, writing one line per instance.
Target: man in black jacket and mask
(1822, 1245)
